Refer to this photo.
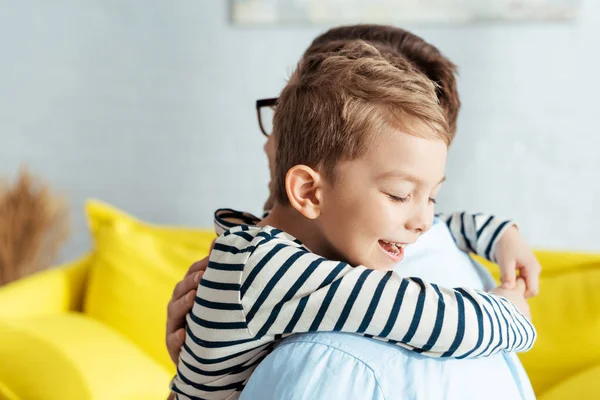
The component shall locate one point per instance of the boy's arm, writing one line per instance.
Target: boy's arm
(293, 291)
(476, 233)
(492, 238)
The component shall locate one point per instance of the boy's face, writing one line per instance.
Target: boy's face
(383, 200)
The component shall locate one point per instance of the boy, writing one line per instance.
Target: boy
(362, 147)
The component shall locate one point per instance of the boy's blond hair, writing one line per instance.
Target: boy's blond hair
(335, 103)
(424, 56)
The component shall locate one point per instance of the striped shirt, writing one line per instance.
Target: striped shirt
(262, 284)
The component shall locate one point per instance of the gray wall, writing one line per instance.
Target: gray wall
(149, 105)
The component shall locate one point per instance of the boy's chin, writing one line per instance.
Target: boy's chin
(381, 266)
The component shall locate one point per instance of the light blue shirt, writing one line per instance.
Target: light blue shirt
(348, 366)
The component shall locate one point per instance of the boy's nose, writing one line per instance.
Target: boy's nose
(420, 220)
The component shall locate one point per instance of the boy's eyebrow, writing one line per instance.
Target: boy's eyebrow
(405, 176)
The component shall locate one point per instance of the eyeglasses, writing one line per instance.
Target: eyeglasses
(265, 109)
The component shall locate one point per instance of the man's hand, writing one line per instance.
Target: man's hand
(516, 295)
(181, 303)
(512, 254)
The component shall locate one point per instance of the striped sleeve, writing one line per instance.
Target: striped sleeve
(476, 233)
(289, 290)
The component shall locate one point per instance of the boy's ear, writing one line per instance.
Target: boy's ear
(303, 186)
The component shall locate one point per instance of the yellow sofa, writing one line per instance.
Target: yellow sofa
(94, 329)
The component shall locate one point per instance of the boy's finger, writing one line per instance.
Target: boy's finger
(532, 279)
(520, 285)
(508, 275)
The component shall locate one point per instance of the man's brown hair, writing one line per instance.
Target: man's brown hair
(336, 102)
(401, 43)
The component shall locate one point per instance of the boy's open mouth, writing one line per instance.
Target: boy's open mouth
(394, 249)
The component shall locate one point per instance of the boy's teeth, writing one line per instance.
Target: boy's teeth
(398, 245)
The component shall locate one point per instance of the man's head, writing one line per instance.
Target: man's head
(361, 148)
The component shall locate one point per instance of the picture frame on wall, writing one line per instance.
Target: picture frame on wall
(309, 12)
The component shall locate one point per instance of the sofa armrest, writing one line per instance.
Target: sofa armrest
(55, 290)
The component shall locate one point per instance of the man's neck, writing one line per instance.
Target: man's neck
(287, 219)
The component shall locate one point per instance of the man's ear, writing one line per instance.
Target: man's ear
(303, 186)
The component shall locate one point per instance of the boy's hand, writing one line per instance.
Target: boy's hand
(512, 254)
(516, 295)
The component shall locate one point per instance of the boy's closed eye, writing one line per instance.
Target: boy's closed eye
(398, 199)
(401, 199)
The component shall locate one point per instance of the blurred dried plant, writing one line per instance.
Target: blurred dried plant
(34, 225)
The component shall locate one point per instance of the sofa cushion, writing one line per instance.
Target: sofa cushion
(133, 271)
(72, 356)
